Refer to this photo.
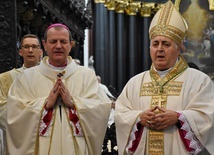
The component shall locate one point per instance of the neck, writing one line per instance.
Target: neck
(58, 64)
(29, 65)
(57, 67)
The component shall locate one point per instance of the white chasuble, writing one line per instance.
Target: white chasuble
(193, 96)
(25, 110)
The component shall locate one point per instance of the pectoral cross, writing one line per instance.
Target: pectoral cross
(160, 101)
(59, 75)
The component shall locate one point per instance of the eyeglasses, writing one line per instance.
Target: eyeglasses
(27, 47)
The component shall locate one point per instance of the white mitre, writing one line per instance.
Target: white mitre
(168, 22)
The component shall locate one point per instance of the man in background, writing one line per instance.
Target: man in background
(30, 50)
(111, 97)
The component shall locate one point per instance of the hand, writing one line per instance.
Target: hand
(65, 94)
(51, 99)
(147, 118)
(165, 118)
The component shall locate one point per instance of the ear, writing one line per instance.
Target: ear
(20, 52)
(72, 43)
(182, 47)
(44, 44)
(41, 54)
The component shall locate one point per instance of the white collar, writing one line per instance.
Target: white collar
(55, 68)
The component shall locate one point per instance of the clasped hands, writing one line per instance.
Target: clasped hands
(158, 118)
(59, 89)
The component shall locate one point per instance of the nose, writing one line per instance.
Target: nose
(160, 48)
(30, 49)
(58, 44)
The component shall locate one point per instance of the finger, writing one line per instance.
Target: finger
(163, 126)
(160, 115)
(64, 91)
(159, 126)
(154, 108)
(161, 109)
(61, 83)
(157, 120)
(62, 87)
(56, 84)
(150, 114)
(148, 123)
(55, 90)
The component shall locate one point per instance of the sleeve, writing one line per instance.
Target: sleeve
(5, 83)
(199, 110)
(22, 108)
(126, 121)
(134, 137)
(187, 135)
(93, 110)
(3, 102)
(75, 123)
(46, 121)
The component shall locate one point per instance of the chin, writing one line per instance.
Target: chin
(161, 67)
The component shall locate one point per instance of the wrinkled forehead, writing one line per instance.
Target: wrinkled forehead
(58, 29)
(161, 39)
(57, 33)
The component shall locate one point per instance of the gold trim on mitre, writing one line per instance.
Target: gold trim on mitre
(211, 4)
(168, 22)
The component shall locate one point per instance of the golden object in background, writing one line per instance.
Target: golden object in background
(211, 4)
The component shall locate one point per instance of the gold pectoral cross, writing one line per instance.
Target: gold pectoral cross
(156, 138)
(159, 89)
(162, 101)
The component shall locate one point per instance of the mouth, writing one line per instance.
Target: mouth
(160, 57)
(58, 52)
(30, 56)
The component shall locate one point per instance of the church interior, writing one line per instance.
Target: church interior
(117, 35)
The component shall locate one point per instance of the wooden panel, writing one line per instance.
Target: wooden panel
(8, 48)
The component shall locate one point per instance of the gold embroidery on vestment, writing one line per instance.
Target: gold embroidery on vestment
(160, 89)
(171, 89)
(6, 81)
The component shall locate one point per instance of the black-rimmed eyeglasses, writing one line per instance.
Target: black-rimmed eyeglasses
(27, 47)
